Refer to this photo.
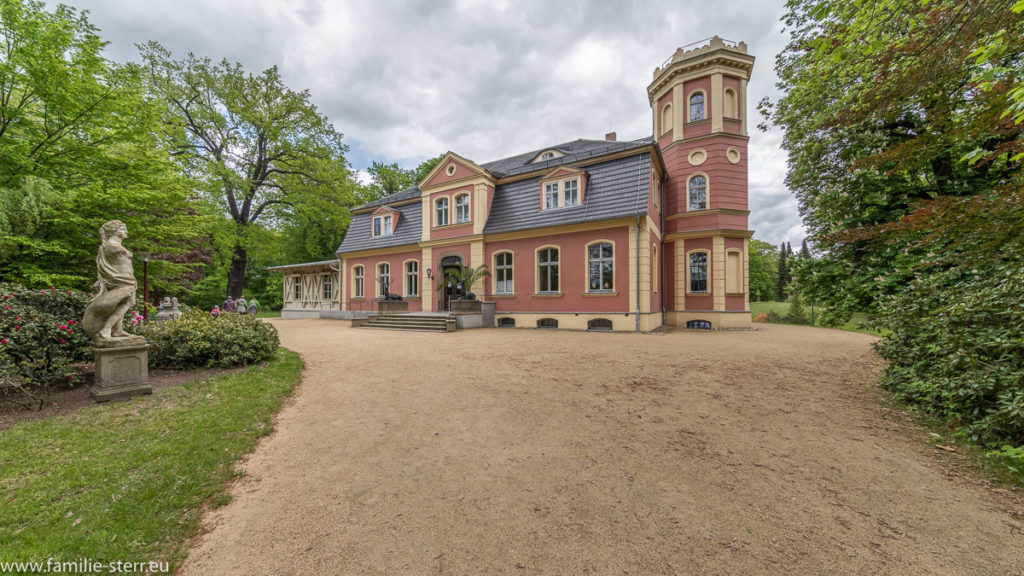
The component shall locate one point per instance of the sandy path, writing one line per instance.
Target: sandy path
(546, 452)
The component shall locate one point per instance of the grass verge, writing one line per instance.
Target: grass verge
(128, 481)
(854, 324)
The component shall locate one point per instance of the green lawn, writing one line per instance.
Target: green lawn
(127, 481)
(268, 314)
(782, 308)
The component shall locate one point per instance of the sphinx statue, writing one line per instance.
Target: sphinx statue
(115, 289)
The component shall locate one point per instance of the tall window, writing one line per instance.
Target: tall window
(572, 192)
(698, 193)
(328, 287)
(600, 262)
(442, 212)
(382, 225)
(551, 195)
(383, 277)
(298, 288)
(503, 273)
(412, 278)
(547, 270)
(697, 107)
(666, 118)
(357, 282)
(462, 208)
(699, 272)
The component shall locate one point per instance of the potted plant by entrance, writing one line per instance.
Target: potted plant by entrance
(464, 277)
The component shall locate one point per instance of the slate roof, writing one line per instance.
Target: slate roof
(408, 231)
(615, 189)
(574, 151)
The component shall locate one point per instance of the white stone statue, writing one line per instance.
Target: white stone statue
(115, 289)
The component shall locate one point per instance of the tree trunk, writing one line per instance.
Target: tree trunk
(236, 275)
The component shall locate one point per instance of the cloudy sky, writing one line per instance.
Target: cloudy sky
(405, 81)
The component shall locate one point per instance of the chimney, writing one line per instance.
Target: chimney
(610, 137)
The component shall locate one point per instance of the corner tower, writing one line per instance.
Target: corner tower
(699, 104)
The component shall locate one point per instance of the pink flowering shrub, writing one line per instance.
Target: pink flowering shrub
(40, 339)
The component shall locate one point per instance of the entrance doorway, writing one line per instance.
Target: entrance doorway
(449, 265)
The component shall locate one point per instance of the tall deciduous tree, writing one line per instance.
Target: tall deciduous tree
(77, 148)
(260, 151)
(763, 270)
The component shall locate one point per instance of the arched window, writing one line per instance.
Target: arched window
(506, 322)
(698, 325)
(600, 325)
(666, 118)
(412, 278)
(699, 272)
(601, 267)
(357, 282)
(442, 212)
(697, 107)
(730, 103)
(383, 277)
(547, 270)
(549, 323)
(698, 193)
(503, 273)
(462, 208)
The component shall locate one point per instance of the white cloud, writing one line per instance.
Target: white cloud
(405, 81)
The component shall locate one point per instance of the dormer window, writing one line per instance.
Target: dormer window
(382, 225)
(551, 195)
(562, 188)
(571, 192)
(547, 156)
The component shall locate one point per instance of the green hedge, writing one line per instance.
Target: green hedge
(198, 340)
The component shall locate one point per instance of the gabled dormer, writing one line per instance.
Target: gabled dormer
(563, 187)
(457, 197)
(384, 221)
(545, 155)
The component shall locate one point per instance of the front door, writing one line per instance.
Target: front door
(449, 265)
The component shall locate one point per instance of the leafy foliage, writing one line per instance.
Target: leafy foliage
(196, 339)
(39, 340)
(905, 155)
(259, 151)
(763, 272)
(78, 148)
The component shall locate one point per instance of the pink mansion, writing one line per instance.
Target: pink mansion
(588, 234)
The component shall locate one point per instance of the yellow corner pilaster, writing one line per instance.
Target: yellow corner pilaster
(680, 295)
(645, 269)
(717, 102)
(479, 208)
(678, 112)
(746, 274)
(427, 294)
(718, 272)
(632, 268)
(476, 259)
(426, 218)
(741, 107)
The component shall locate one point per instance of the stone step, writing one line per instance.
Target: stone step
(409, 323)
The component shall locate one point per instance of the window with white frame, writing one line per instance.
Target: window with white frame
(547, 271)
(357, 282)
(462, 208)
(412, 278)
(697, 107)
(503, 273)
(699, 272)
(698, 193)
(328, 287)
(571, 192)
(551, 195)
(382, 225)
(600, 262)
(383, 277)
(297, 287)
(441, 218)
(547, 156)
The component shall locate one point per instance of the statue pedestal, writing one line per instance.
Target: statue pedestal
(122, 370)
(393, 307)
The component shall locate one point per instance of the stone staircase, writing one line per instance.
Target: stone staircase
(417, 323)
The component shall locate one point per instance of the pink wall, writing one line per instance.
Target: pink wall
(573, 272)
(452, 230)
(727, 182)
(370, 287)
(442, 177)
